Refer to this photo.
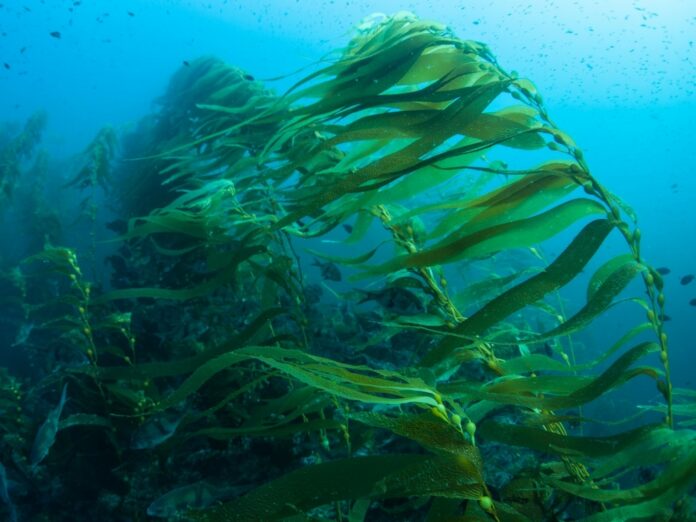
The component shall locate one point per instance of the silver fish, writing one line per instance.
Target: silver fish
(154, 431)
(46, 435)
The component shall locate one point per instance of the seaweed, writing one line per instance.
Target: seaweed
(400, 394)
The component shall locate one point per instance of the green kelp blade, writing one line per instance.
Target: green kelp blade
(554, 392)
(601, 299)
(603, 272)
(561, 271)
(677, 476)
(549, 442)
(515, 234)
(519, 199)
(537, 362)
(431, 432)
(378, 477)
(351, 382)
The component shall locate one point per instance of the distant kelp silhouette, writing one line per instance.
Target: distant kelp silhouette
(406, 409)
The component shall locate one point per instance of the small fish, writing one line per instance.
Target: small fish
(119, 226)
(55, 34)
(329, 270)
(395, 299)
(687, 279)
(348, 228)
(186, 63)
(131, 13)
(21, 51)
(693, 302)
(154, 431)
(176, 502)
(663, 270)
(46, 435)
(666, 317)
(7, 66)
(248, 77)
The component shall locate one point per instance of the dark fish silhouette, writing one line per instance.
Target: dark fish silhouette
(248, 77)
(185, 62)
(663, 270)
(155, 431)
(395, 299)
(7, 65)
(666, 317)
(131, 13)
(347, 228)
(329, 270)
(55, 34)
(119, 226)
(693, 302)
(687, 279)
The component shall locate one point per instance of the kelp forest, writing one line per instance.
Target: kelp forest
(365, 297)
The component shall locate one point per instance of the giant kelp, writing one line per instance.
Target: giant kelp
(382, 163)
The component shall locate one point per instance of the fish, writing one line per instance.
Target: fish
(5, 494)
(118, 225)
(156, 430)
(117, 263)
(395, 299)
(329, 270)
(693, 302)
(46, 435)
(186, 63)
(663, 270)
(55, 34)
(131, 13)
(666, 317)
(23, 334)
(687, 279)
(348, 228)
(7, 66)
(248, 77)
(198, 495)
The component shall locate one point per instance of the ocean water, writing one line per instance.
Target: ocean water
(156, 423)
